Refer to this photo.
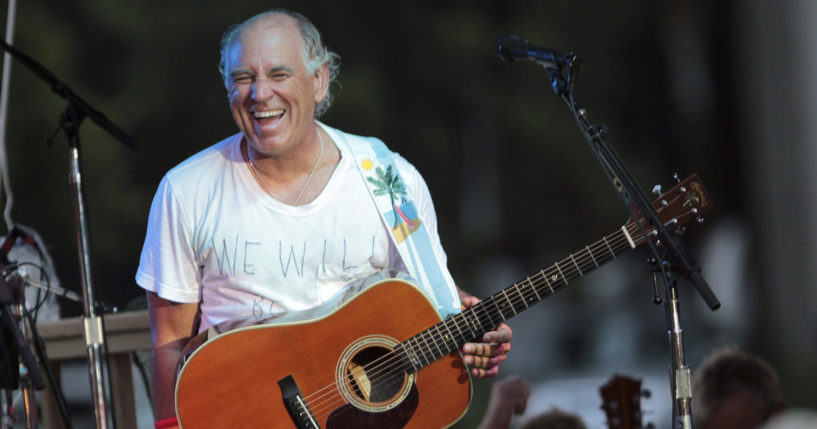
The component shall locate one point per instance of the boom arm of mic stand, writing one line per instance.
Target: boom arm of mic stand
(60, 88)
(639, 201)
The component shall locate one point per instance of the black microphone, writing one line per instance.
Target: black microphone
(513, 48)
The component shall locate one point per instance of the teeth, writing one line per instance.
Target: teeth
(268, 113)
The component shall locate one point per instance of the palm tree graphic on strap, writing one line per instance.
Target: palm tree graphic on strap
(389, 183)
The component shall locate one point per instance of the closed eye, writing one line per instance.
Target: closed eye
(242, 77)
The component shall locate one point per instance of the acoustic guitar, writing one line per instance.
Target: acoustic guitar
(621, 402)
(384, 359)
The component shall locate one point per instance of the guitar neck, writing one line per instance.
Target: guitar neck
(448, 335)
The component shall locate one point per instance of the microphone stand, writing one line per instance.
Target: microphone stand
(70, 120)
(676, 257)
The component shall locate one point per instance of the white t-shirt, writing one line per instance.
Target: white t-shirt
(216, 237)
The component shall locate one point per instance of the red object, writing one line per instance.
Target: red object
(166, 423)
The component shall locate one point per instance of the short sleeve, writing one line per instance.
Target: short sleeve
(421, 196)
(168, 264)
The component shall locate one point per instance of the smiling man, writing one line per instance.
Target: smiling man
(281, 216)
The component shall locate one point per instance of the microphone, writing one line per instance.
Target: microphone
(513, 48)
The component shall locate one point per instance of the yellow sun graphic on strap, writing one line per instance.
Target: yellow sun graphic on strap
(367, 164)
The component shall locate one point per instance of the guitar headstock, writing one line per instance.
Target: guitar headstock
(621, 402)
(685, 201)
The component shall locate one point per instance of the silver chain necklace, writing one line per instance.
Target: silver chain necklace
(303, 187)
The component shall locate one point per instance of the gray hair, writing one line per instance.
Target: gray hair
(313, 51)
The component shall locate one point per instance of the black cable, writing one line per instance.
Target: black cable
(39, 348)
(43, 276)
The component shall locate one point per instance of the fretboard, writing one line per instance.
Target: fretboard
(469, 326)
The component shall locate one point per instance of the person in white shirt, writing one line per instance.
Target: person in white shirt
(276, 218)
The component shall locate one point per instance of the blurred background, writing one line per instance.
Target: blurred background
(722, 88)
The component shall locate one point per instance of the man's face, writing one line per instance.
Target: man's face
(272, 94)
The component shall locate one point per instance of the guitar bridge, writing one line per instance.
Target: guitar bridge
(296, 405)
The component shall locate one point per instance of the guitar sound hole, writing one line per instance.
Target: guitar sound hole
(374, 374)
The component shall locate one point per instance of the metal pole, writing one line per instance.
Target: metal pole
(91, 320)
(680, 379)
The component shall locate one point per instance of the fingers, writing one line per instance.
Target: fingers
(483, 361)
(486, 350)
(468, 301)
(484, 373)
(502, 334)
(484, 358)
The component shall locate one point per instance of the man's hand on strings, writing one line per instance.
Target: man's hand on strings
(484, 358)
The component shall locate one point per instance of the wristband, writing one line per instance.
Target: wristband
(166, 423)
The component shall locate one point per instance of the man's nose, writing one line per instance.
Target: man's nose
(262, 90)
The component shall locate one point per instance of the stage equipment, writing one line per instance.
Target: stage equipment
(562, 71)
(69, 122)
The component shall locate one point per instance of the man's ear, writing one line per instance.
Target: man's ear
(321, 80)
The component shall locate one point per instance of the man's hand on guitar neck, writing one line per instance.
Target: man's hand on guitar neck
(484, 358)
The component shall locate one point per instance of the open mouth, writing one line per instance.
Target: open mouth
(269, 115)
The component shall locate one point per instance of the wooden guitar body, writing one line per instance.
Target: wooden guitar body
(337, 362)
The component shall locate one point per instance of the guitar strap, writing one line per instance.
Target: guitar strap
(376, 165)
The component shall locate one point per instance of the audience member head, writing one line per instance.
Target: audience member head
(734, 389)
(555, 418)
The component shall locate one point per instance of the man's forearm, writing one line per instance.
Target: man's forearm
(163, 386)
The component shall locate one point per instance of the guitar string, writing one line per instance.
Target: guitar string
(376, 369)
(518, 300)
(399, 375)
(320, 407)
(522, 295)
(618, 243)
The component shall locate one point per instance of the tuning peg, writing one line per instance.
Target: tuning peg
(656, 189)
(699, 219)
(676, 177)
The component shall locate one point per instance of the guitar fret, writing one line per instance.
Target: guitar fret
(409, 354)
(538, 298)
(448, 338)
(608, 246)
(438, 348)
(414, 355)
(521, 295)
(472, 322)
(499, 310)
(509, 301)
(589, 252)
(490, 319)
(577, 265)
(544, 276)
(456, 319)
(426, 348)
(564, 279)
